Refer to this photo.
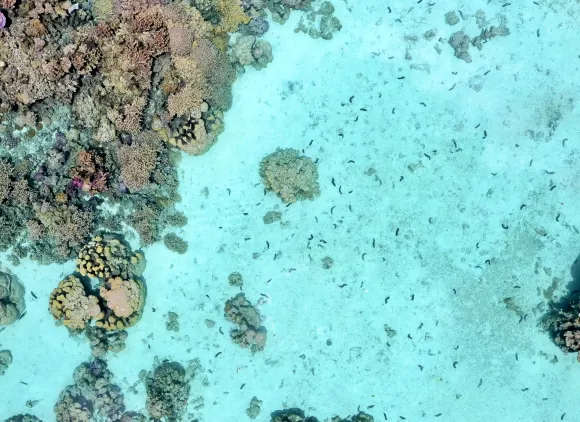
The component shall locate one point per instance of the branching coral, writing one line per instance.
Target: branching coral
(89, 174)
(290, 175)
(71, 304)
(138, 161)
(69, 227)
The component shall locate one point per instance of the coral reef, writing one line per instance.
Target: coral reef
(103, 341)
(109, 256)
(253, 411)
(248, 50)
(290, 175)
(93, 396)
(175, 243)
(297, 415)
(125, 300)
(291, 415)
(12, 303)
(23, 418)
(564, 327)
(167, 392)
(120, 296)
(95, 99)
(250, 332)
(71, 304)
(320, 23)
(5, 360)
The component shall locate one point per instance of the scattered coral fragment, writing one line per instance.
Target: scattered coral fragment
(236, 279)
(253, 411)
(172, 323)
(248, 50)
(167, 392)
(5, 360)
(320, 23)
(272, 216)
(250, 332)
(175, 243)
(460, 41)
(11, 299)
(290, 175)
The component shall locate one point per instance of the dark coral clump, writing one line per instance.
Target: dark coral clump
(564, 327)
(167, 392)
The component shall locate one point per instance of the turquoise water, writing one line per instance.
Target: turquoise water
(447, 206)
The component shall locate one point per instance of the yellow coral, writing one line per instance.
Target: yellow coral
(108, 256)
(232, 15)
(70, 303)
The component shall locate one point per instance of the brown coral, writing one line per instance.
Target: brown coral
(138, 161)
(68, 226)
(290, 175)
(249, 333)
(71, 304)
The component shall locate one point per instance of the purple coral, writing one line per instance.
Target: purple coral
(2, 20)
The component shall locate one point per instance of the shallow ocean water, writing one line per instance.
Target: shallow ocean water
(431, 308)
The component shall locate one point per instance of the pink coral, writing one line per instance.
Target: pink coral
(124, 297)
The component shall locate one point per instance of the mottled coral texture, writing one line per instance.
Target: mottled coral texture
(290, 175)
(71, 304)
(565, 328)
(249, 333)
(119, 298)
(12, 303)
